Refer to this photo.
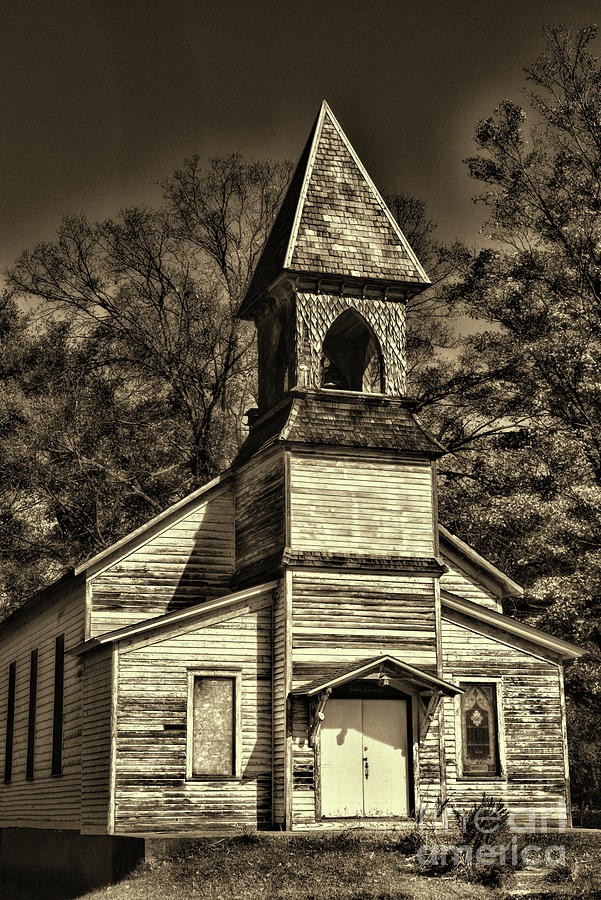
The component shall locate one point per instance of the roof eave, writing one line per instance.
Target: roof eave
(370, 666)
(556, 645)
(189, 614)
(100, 560)
(509, 587)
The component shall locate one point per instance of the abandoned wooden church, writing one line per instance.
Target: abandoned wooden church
(299, 643)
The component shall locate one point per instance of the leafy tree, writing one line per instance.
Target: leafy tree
(527, 493)
(126, 383)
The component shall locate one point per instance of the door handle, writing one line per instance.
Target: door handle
(366, 767)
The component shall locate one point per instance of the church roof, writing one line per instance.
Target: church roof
(333, 221)
(341, 419)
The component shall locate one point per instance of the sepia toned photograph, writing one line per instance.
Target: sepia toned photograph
(300, 450)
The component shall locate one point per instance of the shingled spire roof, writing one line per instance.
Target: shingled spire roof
(333, 221)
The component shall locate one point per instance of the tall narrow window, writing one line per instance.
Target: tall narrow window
(212, 723)
(57, 724)
(33, 693)
(479, 730)
(10, 722)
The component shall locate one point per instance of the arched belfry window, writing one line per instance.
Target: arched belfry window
(479, 732)
(352, 356)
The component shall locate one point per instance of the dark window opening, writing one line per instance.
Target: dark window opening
(352, 357)
(57, 723)
(479, 730)
(213, 726)
(10, 722)
(33, 692)
(282, 365)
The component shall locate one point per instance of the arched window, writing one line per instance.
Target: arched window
(352, 357)
(479, 733)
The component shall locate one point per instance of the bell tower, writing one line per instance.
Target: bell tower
(335, 484)
(328, 294)
(328, 299)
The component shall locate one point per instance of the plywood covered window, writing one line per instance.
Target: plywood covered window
(213, 724)
(33, 693)
(10, 722)
(479, 730)
(57, 716)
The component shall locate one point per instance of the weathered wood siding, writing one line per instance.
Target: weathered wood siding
(303, 769)
(466, 585)
(340, 618)
(530, 714)
(260, 519)
(354, 504)
(45, 801)
(96, 743)
(191, 560)
(152, 793)
(281, 659)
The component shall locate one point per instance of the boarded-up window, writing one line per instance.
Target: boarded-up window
(479, 732)
(33, 692)
(213, 725)
(10, 722)
(57, 718)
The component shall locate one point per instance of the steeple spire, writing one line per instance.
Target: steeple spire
(334, 223)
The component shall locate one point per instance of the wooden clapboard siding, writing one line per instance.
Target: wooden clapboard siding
(260, 520)
(303, 765)
(281, 655)
(44, 801)
(341, 618)
(428, 787)
(347, 504)
(465, 585)
(151, 792)
(530, 722)
(191, 560)
(96, 743)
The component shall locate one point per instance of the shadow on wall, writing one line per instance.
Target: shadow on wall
(195, 557)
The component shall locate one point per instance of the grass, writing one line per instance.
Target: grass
(348, 866)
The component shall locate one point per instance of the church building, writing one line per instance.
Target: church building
(299, 644)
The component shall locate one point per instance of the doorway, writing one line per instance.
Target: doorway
(365, 758)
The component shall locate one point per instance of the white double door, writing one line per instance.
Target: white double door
(364, 758)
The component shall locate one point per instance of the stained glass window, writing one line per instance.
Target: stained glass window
(213, 725)
(479, 729)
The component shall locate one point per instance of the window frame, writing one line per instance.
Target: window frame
(465, 682)
(236, 676)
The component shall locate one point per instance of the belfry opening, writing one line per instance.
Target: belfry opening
(352, 359)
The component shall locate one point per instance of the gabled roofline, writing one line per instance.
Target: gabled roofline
(91, 566)
(304, 187)
(510, 587)
(508, 624)
(175, 618)
(368, 666)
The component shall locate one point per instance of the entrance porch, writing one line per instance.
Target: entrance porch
(364, 746)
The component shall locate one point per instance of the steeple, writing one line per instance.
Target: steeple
(328, 295)
(334, 224)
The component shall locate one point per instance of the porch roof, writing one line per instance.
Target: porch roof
(418, 677)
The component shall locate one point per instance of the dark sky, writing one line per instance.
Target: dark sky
(102, 98)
